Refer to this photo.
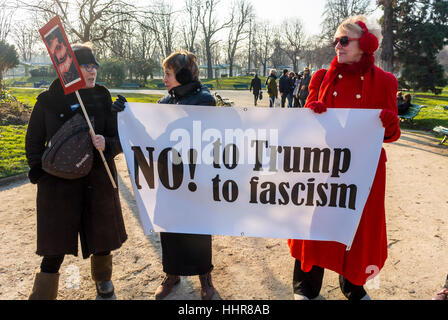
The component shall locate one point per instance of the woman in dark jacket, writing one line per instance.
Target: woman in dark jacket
(405, 105)
(185, 254)
(255, 87)
(88, 206)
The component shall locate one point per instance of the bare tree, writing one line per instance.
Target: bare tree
(317, 55)
(263, 43)
(191, 24)
(210, 26)
(119, 41)
(161, 19)
(293, 39)
(335, 11)
(242, 13)
(86, 20)
(6, 15)
(25, 37)
(279, 58)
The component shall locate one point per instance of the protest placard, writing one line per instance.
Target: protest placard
(62, 56)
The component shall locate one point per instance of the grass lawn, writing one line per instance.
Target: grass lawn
(29, 96)
(227, 83)
(139, 97)
(433, 115)
(29, 81)
(219, 84)
(12, 150)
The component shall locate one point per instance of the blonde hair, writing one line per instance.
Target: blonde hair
(175, 61)
(350, 24)
(85, 45)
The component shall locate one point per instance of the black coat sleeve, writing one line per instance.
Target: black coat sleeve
(35, 141)
(113, 145)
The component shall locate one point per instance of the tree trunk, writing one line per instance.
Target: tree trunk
(209, 63)
(387, 53)
(231, 68)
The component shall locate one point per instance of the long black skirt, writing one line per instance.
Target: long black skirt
(186, 254)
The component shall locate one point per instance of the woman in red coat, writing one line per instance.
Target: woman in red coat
(352, 81)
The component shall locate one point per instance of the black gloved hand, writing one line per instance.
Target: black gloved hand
(119, 104)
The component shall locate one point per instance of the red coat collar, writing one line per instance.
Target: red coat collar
(362, 67)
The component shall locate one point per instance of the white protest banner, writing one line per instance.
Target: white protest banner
(274, 173)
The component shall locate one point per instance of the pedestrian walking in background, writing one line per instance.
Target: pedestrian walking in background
(272, 87)
(303, 87)
(284, 87)
(291, 86)
(295, 97)
(255, 88)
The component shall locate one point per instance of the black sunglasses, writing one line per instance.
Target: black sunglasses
(344, 41)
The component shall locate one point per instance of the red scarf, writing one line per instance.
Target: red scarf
(361, 67)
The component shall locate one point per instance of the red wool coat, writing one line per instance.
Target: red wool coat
(366, 86)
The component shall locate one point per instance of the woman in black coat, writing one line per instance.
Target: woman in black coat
(88, 206)
(404, 106)
(255, 87)
(185, 254)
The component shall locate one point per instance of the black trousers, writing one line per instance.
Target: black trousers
(296, 102)
(186, 254)
(309, 284)
(52, 264)
(256, 96)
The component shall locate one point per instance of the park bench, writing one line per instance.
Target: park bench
(41, 84)
(437, 91)
(241, 86)
(130, 85)
(19, 83)
(412, 112)
(210, 86)
(443, 131)
(160, 86)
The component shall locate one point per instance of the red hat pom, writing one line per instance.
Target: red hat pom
(368, 43)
